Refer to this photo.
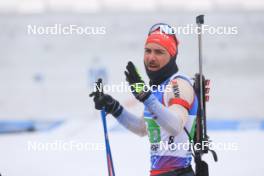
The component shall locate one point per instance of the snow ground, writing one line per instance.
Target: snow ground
(130, 153)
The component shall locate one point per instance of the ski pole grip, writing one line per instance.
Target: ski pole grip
(200, 19)
(99, 86)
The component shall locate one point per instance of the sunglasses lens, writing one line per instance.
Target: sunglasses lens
(164, 28)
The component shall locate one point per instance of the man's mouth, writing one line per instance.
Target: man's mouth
(153, 67)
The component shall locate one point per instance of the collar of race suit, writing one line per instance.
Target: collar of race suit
(159, 76)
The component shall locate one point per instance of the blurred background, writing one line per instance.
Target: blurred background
(46, 81)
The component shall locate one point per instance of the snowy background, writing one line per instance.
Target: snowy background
(48, 78)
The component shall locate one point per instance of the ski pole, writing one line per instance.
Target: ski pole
(110, 165)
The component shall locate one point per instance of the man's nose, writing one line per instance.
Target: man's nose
(151, 57)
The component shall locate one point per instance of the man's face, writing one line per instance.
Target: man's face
(155, 56)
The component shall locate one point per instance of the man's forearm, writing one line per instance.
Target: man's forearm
(133, 123)
(172, 122)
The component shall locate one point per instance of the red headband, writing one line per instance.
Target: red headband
(165, 40)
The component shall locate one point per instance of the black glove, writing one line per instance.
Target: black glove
(102, 100)
(137, 85)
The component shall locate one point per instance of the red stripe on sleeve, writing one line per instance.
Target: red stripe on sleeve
(180, 101)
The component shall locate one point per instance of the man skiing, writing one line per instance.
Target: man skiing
(170, 109)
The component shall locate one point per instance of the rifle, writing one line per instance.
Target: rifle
(201, 87)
